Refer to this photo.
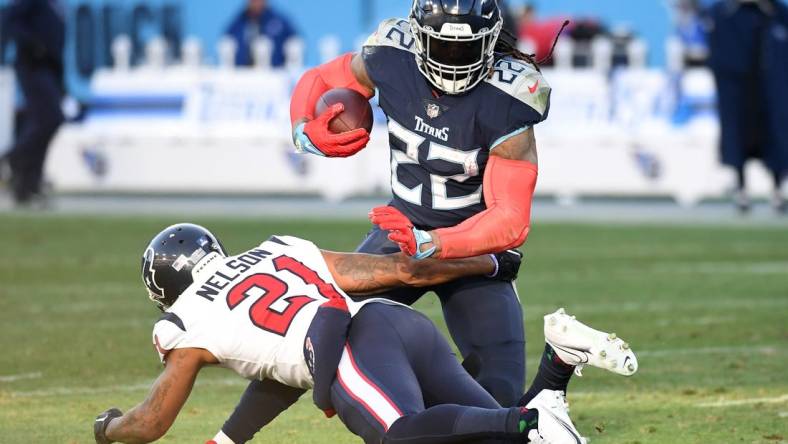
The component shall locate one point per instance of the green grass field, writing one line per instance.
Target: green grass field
(705, 308)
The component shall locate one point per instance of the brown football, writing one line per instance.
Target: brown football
(357, 113)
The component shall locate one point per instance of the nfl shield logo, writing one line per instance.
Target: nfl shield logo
(433, 110)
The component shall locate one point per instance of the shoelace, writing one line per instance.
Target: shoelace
(562, 399)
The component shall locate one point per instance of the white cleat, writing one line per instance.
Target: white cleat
(580, 345)
(555, 426)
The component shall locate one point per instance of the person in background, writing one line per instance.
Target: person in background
(689, 29)
(748, 43)
(37, 27)
(260, 20)
(538, 35)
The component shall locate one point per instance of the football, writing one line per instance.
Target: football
(357, 113)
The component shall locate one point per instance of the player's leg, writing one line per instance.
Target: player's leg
(446, 386)
(462, 411)
(485, 320)
(553, 374)
(569, 345)
(42, 119)
(377, 242)
(779, 200)
(375, 384)
(378, 395)
(444, 381)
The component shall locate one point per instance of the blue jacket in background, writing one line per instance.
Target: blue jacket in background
(38, 29)
(749, 58)
(270, 24)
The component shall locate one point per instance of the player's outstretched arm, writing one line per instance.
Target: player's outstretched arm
(311, 133)
(365, 274)
(151, 419)
(509, 183)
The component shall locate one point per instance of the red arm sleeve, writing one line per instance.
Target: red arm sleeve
(317, 81)
(508, 191)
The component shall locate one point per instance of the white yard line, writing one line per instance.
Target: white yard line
(657, 305)
(762, 349)
(125, 388)
(238, 382)
(20, 377)
(774, 267)
(748, 401)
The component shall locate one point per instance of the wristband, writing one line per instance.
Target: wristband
(101, 423)
(422, 237)
(497, 266)
(221, 438)
(303, 144)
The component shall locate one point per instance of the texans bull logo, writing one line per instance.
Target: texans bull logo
(149, 276)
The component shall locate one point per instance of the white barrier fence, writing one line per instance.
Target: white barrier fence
(190, 128)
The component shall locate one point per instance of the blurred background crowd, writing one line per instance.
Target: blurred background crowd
(669, 98)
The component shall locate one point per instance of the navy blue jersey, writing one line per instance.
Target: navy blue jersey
(440, 144)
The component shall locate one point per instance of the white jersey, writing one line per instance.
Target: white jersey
(252, 311)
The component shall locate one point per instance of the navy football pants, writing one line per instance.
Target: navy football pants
(485, 320)
(399, 382)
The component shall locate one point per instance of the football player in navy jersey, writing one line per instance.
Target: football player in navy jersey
(461, 104)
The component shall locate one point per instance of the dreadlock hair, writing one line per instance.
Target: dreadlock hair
(507, 46)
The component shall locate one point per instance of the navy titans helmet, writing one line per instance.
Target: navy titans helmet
(455, 41)
(170, 258)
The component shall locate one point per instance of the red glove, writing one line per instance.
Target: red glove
(331, 144)
(398, 225)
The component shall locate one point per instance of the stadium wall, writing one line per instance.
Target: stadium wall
(154, 129)
(206, 20)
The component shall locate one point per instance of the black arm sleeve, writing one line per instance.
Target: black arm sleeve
(260, 404)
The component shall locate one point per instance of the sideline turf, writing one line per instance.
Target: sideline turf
(706, 308)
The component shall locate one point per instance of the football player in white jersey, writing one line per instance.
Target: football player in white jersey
(280, 313)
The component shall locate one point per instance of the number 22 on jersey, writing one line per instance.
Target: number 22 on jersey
(468, 160)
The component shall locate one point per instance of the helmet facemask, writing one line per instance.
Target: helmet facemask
(454, 59)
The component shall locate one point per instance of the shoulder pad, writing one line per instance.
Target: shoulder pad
(288, 241)
(393, 33)
(167, 334)
(522, 81)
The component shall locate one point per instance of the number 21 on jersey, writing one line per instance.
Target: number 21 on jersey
(275, 309)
